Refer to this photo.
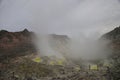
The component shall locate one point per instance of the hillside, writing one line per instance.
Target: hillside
(114, 37)
(16, 43)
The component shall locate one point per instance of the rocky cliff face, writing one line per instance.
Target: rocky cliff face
(16, 43)
(114, 37)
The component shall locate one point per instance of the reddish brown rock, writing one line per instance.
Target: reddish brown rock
(16, 43)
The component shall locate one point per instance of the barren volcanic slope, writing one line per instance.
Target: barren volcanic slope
(13, 44)
(16, 43)
(114, 37)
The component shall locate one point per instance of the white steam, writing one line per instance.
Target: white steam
(44, 48)
(85, 48)
(69, 17)
(89, 48)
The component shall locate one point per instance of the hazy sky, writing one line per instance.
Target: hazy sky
(71, 17)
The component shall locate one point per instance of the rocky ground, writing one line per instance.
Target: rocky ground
(27, 69)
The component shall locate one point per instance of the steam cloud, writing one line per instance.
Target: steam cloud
(91, 18)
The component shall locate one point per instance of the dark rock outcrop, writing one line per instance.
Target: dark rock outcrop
(16, 43)
(113, 35)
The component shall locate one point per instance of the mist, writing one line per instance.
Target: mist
(89, 48)
(84, 21)
(76, 48)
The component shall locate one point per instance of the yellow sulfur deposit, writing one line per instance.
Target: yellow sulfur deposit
(60, 62)
(37, 59)
(93, 67)
(51, 63)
